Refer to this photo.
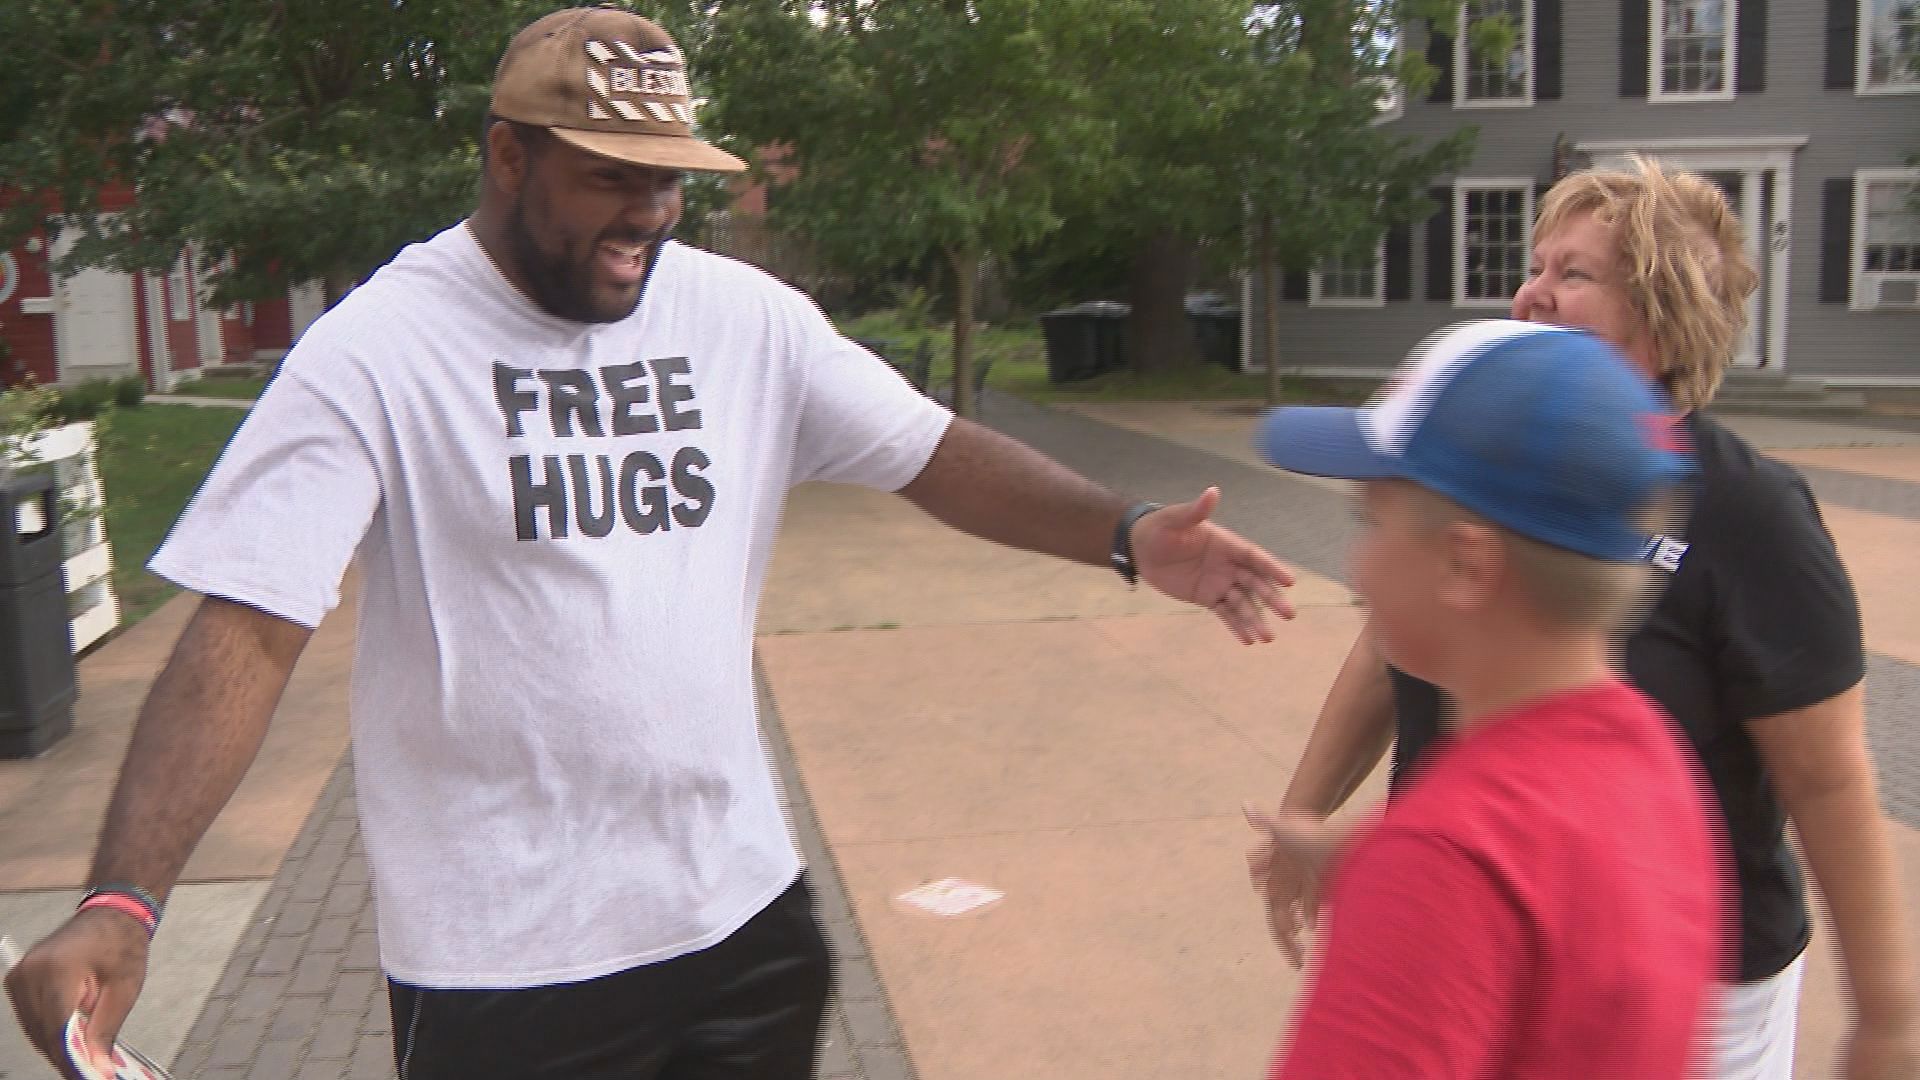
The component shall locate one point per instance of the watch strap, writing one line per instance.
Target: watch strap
(1122, 556)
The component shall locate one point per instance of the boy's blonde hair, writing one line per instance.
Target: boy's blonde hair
(1566, 588)
(1687, 274)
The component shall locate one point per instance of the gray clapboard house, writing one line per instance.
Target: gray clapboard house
(1807, 112)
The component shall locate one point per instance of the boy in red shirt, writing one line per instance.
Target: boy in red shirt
(1550, 897)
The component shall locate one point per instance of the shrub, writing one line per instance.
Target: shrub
(130, 392)
(83, 402)
(25, 411)
(914, 305)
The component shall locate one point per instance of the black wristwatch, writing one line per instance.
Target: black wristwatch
(1122, 557)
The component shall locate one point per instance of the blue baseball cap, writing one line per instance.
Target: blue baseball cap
(1547, 431)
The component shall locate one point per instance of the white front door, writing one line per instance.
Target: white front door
(1757, 176)
(95, 331)
(159, 349)
(1744, 189)
(305, 303)
(207, 319)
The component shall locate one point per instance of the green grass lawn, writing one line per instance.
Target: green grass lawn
(152, 459)
(245, 389)
(1020, 367)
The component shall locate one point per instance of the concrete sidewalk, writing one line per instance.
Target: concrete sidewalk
(203, 401)
(939, 708)
(1090, 759)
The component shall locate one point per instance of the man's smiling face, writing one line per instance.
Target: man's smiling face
(582, 229)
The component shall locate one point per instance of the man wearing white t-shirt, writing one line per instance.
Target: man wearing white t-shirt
(563, 500)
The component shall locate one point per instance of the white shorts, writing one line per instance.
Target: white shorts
(1751, 1027)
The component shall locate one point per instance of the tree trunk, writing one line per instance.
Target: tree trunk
(336, 285)
(1269, 269)
(966, 268)
(1159, 337)
(1326, 35)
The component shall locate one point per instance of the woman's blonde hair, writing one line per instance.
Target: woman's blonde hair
(1684, 255)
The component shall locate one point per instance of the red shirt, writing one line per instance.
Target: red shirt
(1550, 898)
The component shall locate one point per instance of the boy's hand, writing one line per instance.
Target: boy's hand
(1286, 864)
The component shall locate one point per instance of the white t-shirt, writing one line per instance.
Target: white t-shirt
(563, 530)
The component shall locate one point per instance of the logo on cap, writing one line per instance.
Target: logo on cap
(619, 74)
(1664, 552)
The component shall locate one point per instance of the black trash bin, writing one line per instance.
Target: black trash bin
(1216, 329)
(36, 638)
(1109, 332)
(1070, 346)
(1085, 340)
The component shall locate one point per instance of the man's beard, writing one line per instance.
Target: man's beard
(562, 284)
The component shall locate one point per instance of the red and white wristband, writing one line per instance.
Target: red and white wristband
(130, 900)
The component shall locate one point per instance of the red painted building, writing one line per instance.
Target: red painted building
(102, 324)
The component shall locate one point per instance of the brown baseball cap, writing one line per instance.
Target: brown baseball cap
(609, 82)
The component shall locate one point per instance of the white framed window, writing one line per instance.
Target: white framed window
(1889, 49)
(179, 292)
(1485, 81)
(1390, 101)
(1693, 49)
(1350, 281)
(1886, 239)
(1492, 241)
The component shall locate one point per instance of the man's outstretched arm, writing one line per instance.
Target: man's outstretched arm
(982, 482)
(197, 734)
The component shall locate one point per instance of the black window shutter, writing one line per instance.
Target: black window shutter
(1836, 241)
(1440, 55)
(1399, 263)
(1750, 48)
(1546, 50)
(1843, 42)
(1293, 285)
(1440, 246)
(1634, 28)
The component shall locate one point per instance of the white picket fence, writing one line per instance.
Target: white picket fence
(91, 603)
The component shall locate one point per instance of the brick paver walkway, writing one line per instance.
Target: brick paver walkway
(303, 997)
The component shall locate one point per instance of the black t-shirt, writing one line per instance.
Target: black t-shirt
(1758, 618)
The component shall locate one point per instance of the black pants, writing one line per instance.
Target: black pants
(749, 1008)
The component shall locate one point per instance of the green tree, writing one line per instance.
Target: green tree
(1261, 121)
(915, 127)
(974, 129)
(287, 140)
(1179, 79)
(1322, 177)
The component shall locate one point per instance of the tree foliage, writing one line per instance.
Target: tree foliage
(912, 127)
(287, 140)
(979, 128)
(292, 140)
(1273, 132)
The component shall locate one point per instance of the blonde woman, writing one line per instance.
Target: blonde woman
(1754, 646)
